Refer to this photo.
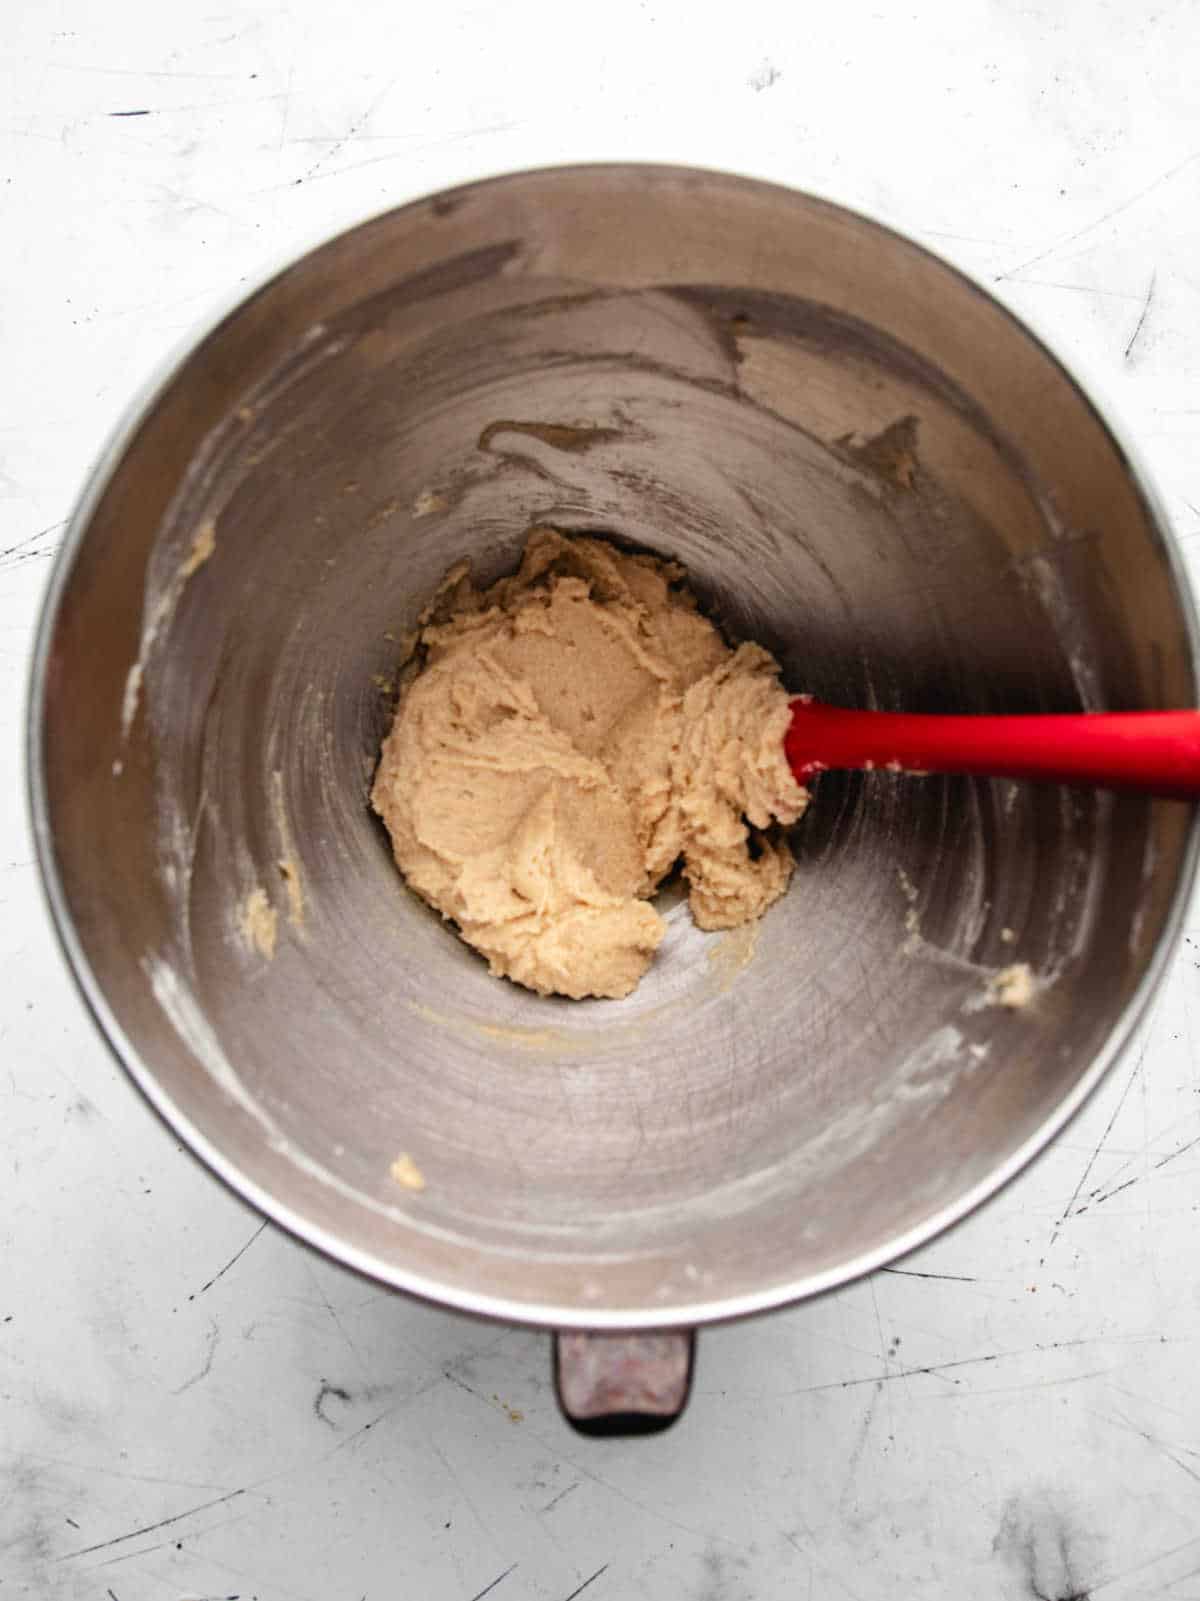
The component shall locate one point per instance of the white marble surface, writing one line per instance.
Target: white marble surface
(193, 1406)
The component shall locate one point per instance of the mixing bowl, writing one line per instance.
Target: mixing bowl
(867, 465)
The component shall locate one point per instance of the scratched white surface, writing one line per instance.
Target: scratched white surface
(191, 1405)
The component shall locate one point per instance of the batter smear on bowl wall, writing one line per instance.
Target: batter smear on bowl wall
(562, 740)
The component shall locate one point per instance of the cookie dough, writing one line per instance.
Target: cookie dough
(563, 739)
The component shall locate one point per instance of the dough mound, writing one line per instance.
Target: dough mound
(560, 741)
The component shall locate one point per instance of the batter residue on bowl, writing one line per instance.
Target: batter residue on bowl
(563, 739)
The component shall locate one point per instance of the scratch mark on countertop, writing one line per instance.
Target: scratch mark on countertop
(115, 1473)
(586, 1582)
(186, 108)
(1036, 1384)
(337, 1322)
(453, 1378)
(351, 133)
(1077, 289)
(196, 1534)
(1150, 1562)
(1099, 1195)
(139, 72)
(1133, 338)
(488, 1588)
(210, 1350)
(285, 119)
(561, 1496)
(24, 549)
(236, 1257)
(940, 1368)
(859, 1446)
(454, 137)
(468, 1500)
(150, 1528)
(512, 1413)
(1098, 222)
(911, 1273)
(1095, 1156)
(1153, 1441)
(886, 1353)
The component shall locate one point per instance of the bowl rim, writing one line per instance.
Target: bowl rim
(483, 1303)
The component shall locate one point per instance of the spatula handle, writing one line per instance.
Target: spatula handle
(1154, 751)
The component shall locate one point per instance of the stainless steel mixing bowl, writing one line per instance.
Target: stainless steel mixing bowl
(866, 464)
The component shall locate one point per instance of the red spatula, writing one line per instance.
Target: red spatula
(1154, 751)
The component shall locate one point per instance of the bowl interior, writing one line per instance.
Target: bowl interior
(867, 466)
